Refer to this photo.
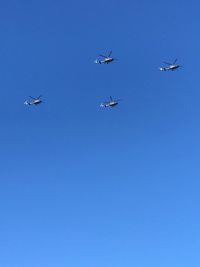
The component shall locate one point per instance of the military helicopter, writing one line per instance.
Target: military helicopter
(35, 101)
(106, 59)
(171, 66)
(110, 104)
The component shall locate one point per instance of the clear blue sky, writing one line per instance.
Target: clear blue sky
(82, 186)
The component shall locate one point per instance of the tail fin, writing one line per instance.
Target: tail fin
(26, 103)
(97, 61)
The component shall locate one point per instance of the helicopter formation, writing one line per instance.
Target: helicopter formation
(106, 60)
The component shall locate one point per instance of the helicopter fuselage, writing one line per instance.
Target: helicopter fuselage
(108, 60)
(105, 61)
(113, 104)
(36, 102)
(109, 104)
(172, 67)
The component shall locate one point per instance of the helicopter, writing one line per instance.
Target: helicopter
(35, 101)
(110, 104)
(106, 59)
(171, 66)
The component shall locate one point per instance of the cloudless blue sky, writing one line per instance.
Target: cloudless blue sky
(82, 186)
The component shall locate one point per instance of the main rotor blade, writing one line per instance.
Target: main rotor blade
(111, 98)
(175, 61)
(167, 63)
(102, 56)
(33, 97)
(110, 53)
(39, 96)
